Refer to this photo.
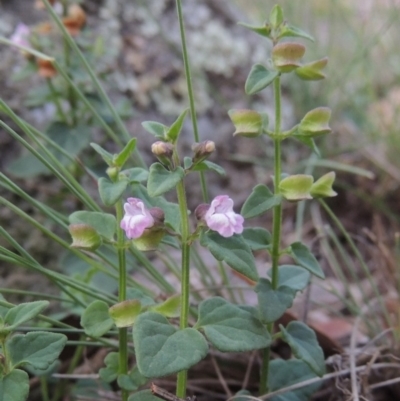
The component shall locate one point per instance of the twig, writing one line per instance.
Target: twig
(166, 395)
(220, 377)
(93, 376)
(352, 360)
(248, 370)
(315, 380)
(385, 383)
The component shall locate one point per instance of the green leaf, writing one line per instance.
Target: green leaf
(260, 200)
(14, 386)
(156, 129)
(230, 328)
(276, 16)
(107, 156)
(104, 223)
(111, 192)
(257, 238)
(294, 277)
(302, 255)
(162, 350)
(263, 30)
(248, 123)
(169, 308)
(303, 342)
(84, 237)
(110, 372)
(259, 78)
(273, 303)
(37, 349)
(136, 174)
(206, 165)
(296, 187)
(287, 373)
(131, 381)
(294, 32)
(124, 313)
(286, 56)
(176, 127)
(125, 153)
(144, 395)
(72, 139)
(233, 250)
(161, 180)
(315, 122)
(28, 69)
(135, 293)
(23, 312)
(312, 71)
(27, 166)
(53, 368)
(96, 320)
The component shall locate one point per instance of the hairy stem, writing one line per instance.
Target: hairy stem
(276, 225)
(185, 280)
(123, 334)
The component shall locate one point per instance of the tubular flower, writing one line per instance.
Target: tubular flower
(220, 217)
(136, 219)
(21, 35)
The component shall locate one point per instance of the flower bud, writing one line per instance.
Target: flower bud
(112, 172)
(161, 148)
(201, 211)
(158, 215)
(202, 150)
(163, 151)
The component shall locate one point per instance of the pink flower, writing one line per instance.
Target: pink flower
(21, 35)
(136, 219)
(220, 217)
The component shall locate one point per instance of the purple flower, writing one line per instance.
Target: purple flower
(21, 35)
(136, 219)
(220, 217)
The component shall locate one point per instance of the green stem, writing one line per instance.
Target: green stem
(44, 388)
(123, 332)
(188, 75)
(185, 280)
(70, 90)
(276, 226)
(56, 100)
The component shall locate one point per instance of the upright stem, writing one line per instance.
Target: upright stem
(67, 60)
(276, 226)
(56, 99)
(190, 92)
(185, 281)
(123, 334)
